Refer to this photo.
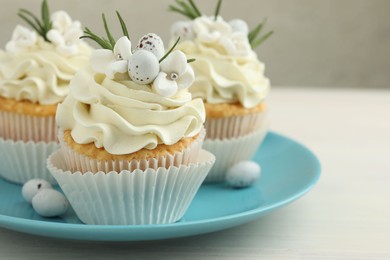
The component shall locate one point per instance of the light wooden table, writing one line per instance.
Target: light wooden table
(345, 216)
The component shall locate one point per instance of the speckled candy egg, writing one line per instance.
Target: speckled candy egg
(32, 187)
(143, 67)
(239, 25)
(50, 203)
(243, 174)
(153, 43)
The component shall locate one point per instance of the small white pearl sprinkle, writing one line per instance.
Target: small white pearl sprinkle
(119, 57)
(32, 187)
(173, 76)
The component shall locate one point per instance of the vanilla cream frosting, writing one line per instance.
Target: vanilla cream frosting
(124, 117)
(40, 73)
(226, 69)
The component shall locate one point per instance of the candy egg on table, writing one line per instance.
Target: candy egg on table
(153, 43)
(239, 25)
(143, 67)
(50, 203)
(32, 187)
(243, 174)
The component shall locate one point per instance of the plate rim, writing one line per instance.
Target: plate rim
(16, 223)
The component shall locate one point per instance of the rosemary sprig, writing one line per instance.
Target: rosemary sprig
(217, 9)
(170, 50)
(40, 26)
(254, 35)
(123, 25)
(189, 9)
(108, 43)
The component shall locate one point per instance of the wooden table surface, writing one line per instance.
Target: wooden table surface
(345, 216)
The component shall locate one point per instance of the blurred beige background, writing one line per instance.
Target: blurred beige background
(316, 42)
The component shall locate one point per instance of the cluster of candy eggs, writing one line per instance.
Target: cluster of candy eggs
(144, 65)
(46, 201)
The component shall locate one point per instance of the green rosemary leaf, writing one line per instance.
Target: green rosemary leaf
(33, 16)
(170, 50)
(46, 16)
(177, 10)
(31, 23)
(253, 33)
(191, 60)
(123, 25)
(102, 42)
(111, 39)
(188, 9)
(217, 9)
(195, 8)
(260, 40)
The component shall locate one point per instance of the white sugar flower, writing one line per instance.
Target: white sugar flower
(22, 39)
(175, 74)
(182, 29)
(209, 30)
(236, 44)
(239, 25)
(111, 62)
(65, 33)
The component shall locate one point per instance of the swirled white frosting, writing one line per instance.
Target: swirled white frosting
(40, 73)
(226, 69)
(124, 117)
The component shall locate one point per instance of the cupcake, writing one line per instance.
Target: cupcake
(131, 135)
(230, 80)
(35, 69)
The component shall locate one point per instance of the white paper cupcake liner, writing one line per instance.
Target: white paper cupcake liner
(21, 161)
(26, 128)
(78, 162)
(235, 126)
(131, 198)
(230, 151)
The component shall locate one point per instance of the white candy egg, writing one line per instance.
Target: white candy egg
(182, 29)
(153, 43)
(239, 25)
(32, 187)
(50, 203)
(243, 174)
(143, 67)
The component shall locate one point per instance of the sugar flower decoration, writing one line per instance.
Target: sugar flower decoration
(65, 33)
(215, 30)
(57, 29)
(22, 39)
(175, 74)
(147, 64)
(110, 62)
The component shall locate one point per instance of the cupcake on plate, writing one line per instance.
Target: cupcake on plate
(230, 79)
(35, 69)
(131, 135)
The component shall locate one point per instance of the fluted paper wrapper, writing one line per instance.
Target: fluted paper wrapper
(22, 161)
(230, 151)
(78, 162)
(235, 126)
(26, 128)
(152, 196)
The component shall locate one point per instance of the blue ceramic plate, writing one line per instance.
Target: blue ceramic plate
(289, 170)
